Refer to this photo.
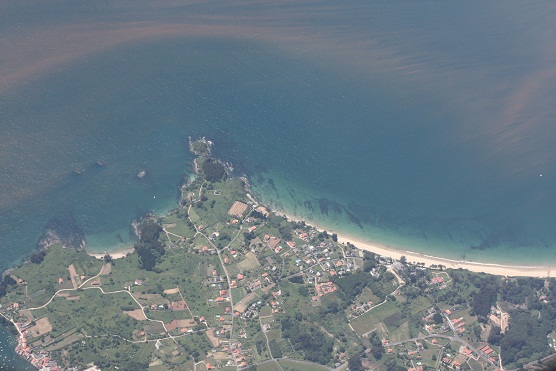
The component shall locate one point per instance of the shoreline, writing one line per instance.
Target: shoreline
(508, 270)
(429, 260)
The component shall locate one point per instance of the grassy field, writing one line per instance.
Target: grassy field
(176, 223)
(371, 319)
(291, 365)
(366, 296)
(43, 278)
(475, 366)
(238, 294)
(401, 333)
(274, 334)
(427, 356)
(419, 304)
(93, 313)
(270, 366)
(249, 263)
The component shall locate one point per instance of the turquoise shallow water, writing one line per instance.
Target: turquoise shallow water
(422, 127)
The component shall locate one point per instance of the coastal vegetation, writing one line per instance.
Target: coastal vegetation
(223, 282)
(213, 171)
(149, 248)
(7, 281)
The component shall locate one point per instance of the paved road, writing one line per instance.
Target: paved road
(454, 337)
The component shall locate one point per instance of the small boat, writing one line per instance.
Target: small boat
(101, 163)
(79, 171)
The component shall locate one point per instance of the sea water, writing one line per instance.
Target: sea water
(362, 151)
(328, 150)
(426, 128)
(9, 360)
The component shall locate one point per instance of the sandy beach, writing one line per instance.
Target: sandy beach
(114, 254)
(397, 253)
(415, 257)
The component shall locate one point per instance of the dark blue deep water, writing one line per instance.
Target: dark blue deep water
(421, 125)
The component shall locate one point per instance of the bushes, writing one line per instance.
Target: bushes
(494, 336)
(149, 247)
(275, 349)
(296, 279)
(485, 298)
(304, 338)
(213, 170)
(7, 280)
(354, 363)
(353, 284)
(525, 338)
(38, 257)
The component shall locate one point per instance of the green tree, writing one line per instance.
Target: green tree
(354, 363)
(275, 349)
(213, 171)
(377, 350)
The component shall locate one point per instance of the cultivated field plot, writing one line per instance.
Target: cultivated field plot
(238, 209)
(42, 326)
(427, 356)
(137, 314)
(371, 319)
(238, 294)
(249, 263)
(419, 304)
(65, 340)
(403, 332)
(270, 366)
(291, 365)
(151, 299)
(193, 216)
(94, 313)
